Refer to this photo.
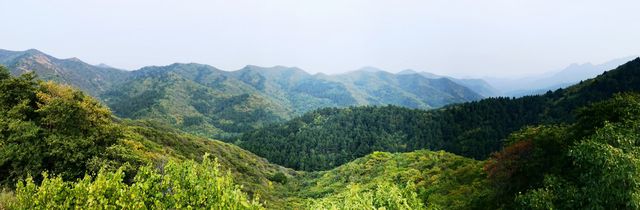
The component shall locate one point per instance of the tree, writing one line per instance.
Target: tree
(49, 127)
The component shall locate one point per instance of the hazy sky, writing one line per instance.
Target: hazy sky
(453, 37)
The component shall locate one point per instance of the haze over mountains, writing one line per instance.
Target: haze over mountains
(538, 84)
(531, 85)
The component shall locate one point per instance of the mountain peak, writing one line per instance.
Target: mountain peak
(74, 59)
(408, 71)
(33, 52)
(274, 69)
(105, 66)
(369, 69)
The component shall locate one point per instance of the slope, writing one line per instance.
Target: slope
(195, 98)
(416, 180)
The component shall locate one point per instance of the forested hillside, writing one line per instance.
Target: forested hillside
(330, 137)
(46, 127)
(195, 98)
(590, 164)
(415, 180)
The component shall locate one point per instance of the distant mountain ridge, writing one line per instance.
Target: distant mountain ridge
(478, 85)
(565, 77)
(208, 101)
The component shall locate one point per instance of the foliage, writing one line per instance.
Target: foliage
(414, 180)
(384, 196)
(184, 185)
(592, 164)
(533, 151)
(279, 177)
(7, 198)
(45, 126)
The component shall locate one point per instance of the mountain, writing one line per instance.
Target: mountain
(207, 101)
(539, 84)
(294, 88)
(477, 85)
(73, 71)
(329, 137)
(196, 98)
(414, 91)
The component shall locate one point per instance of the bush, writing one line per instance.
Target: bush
(174, 185)
(279, 177)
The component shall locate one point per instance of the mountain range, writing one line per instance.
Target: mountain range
(205, 100)
(208, 101)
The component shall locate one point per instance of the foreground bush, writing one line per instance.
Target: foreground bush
(174, 185)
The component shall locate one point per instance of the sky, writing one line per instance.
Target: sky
(464, 38)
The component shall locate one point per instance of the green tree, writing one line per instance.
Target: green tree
(49, 127)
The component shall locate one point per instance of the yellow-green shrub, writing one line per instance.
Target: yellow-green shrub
(173, 185)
